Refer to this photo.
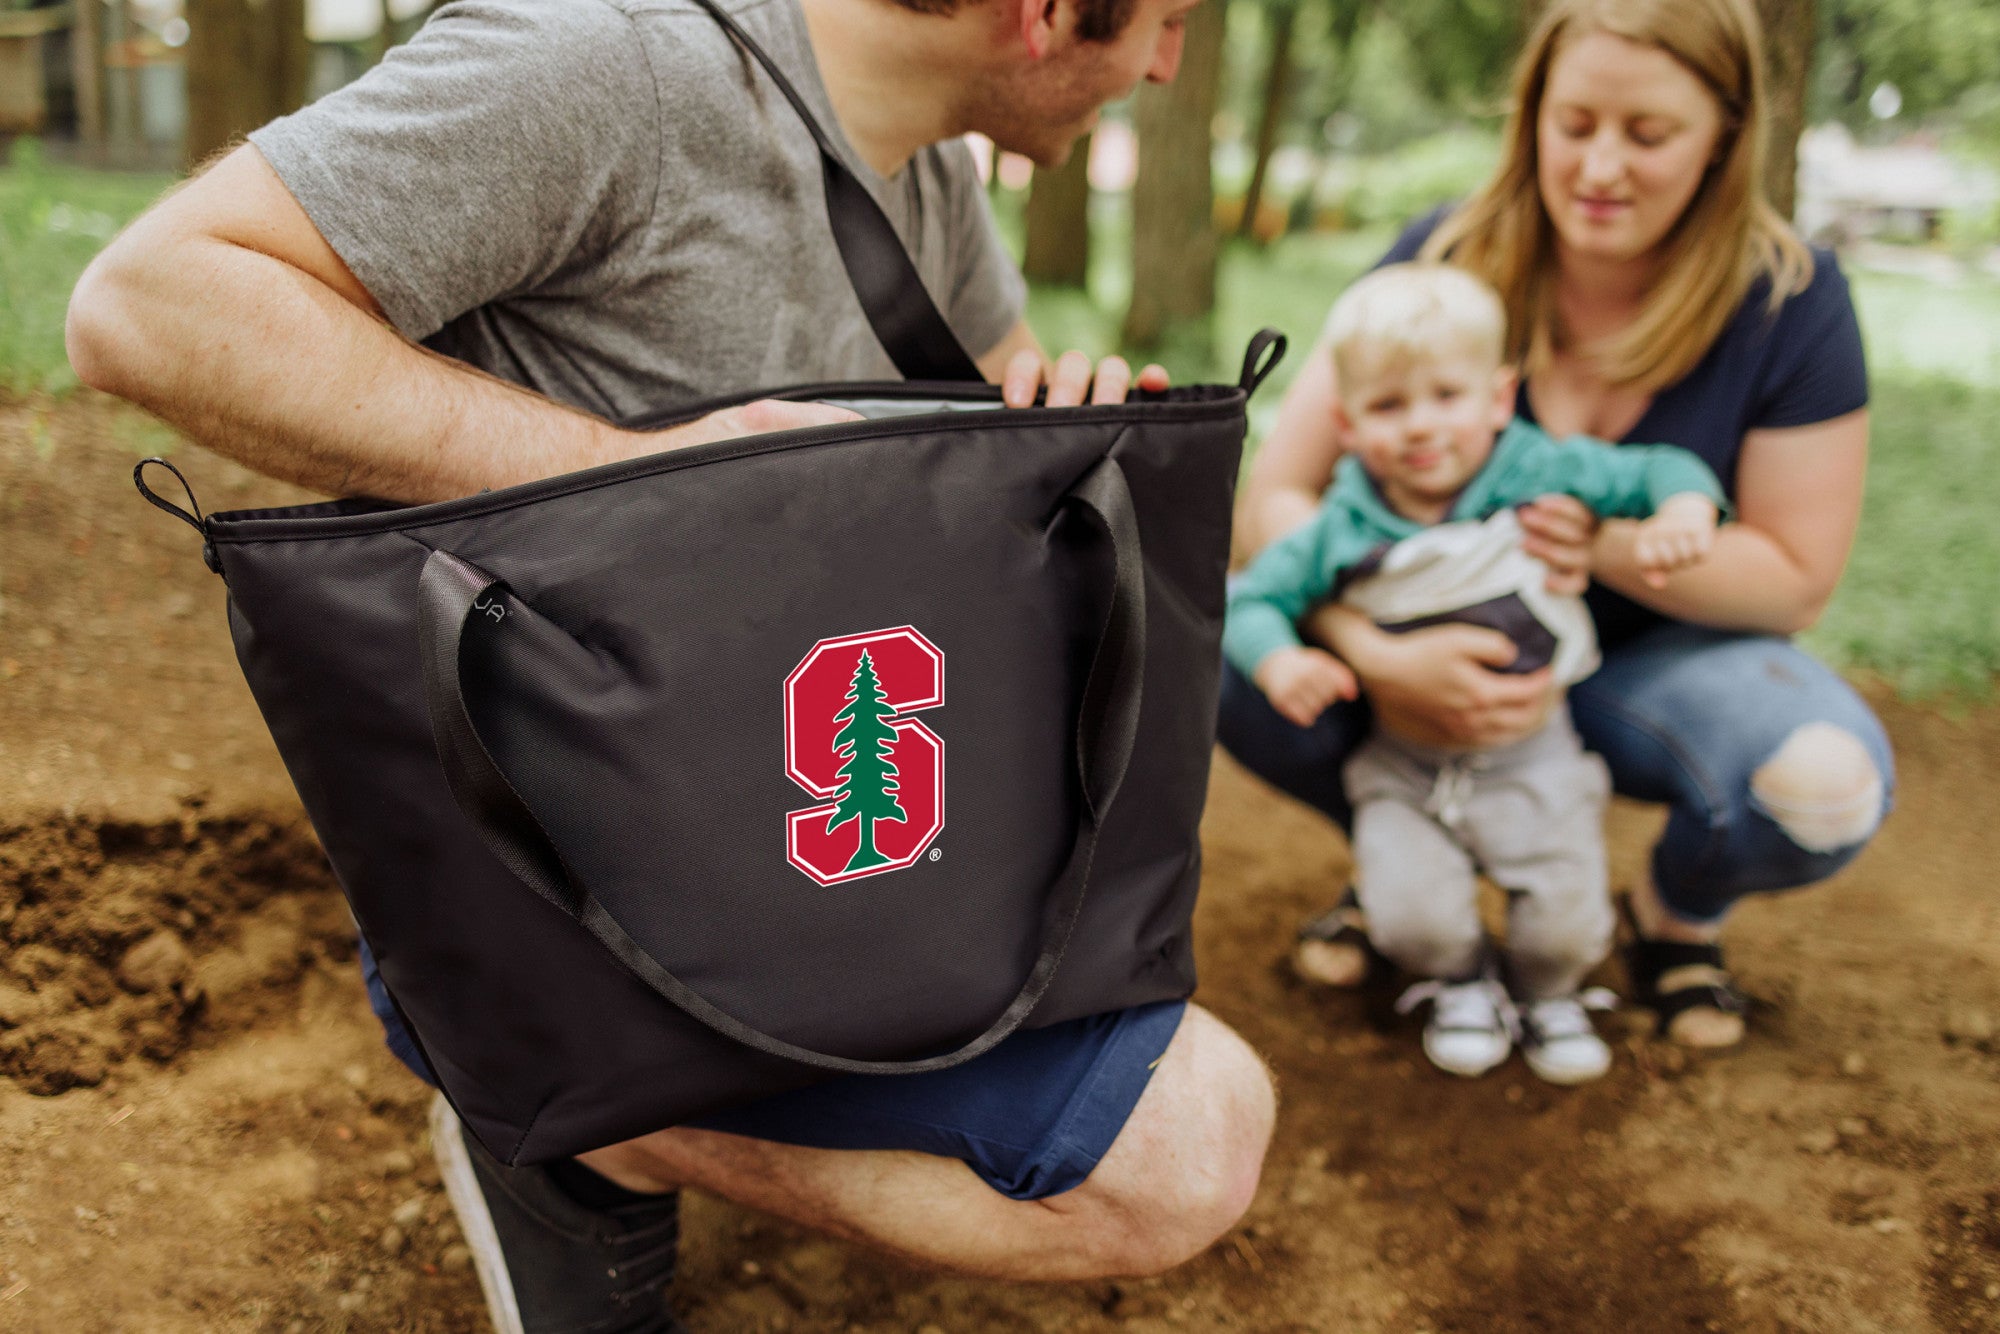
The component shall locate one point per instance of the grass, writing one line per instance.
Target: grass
(52, 221)
(1916, 606)
(1918, 602)
(1917, 327)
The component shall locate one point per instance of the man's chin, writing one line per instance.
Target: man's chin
(1051, 150)
(1049, 158)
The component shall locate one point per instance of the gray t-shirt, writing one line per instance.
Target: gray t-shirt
(610, 203)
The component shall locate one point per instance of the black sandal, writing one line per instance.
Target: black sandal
(1648, 960)
(1344, 924)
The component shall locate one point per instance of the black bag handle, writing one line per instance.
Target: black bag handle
(451, 591)
(905, 319)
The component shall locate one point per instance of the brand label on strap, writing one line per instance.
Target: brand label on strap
(879, 773)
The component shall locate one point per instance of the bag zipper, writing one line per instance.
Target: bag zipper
(301, 527)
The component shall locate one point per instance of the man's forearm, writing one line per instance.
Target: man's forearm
(263, 363)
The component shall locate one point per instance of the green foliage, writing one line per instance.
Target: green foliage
(1936, 52)
(52, 221)
(1468, 46)
(1367, 75)
(1393, 188)
(1405, 68)
(1380, 101)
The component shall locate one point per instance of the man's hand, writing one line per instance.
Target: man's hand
(1071, 379)
(1302, 683)
(1558, 530)
(760, 417)
(1678, 535)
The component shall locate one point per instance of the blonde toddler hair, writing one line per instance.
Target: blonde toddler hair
(1405, 314)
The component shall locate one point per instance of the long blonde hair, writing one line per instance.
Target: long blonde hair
(1726, 238)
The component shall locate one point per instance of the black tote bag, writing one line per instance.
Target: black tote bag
(686, 780)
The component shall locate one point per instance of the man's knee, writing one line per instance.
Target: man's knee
(1186, 1166)
(1821, 787)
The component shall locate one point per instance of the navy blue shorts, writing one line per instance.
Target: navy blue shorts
(1032, 1117)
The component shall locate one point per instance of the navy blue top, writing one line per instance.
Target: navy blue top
(1802, 365)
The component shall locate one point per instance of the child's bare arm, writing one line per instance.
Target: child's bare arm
(1302, 682)
(1678, 535)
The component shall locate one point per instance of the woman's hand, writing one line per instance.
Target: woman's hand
(1559, 530)
(1440, 686)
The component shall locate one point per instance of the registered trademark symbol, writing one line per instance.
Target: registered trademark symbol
(937, 854)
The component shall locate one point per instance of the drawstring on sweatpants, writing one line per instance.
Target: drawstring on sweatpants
(1453, 788)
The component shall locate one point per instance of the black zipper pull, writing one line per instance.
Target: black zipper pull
(194, 520)
(1256, 366)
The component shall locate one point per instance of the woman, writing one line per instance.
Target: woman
(1653, 295)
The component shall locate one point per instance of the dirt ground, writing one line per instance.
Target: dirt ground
(200, 1130)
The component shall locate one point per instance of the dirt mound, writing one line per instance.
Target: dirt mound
(117, 937)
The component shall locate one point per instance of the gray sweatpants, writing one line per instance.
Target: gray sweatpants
(1531, 815)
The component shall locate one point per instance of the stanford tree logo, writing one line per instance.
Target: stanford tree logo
(880, 775)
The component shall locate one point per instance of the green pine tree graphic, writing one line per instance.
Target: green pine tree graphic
(868, 791)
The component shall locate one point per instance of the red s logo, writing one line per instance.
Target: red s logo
(880, 775)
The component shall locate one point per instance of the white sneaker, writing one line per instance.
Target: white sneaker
(1558, 1040)
(1472, 1024)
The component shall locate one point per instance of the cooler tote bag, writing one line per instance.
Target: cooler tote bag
(665, 785)
(690, 779)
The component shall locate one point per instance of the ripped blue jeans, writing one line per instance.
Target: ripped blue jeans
(1682, 715)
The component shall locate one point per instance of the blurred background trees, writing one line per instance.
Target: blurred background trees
(1056, 221)
(1789, 29)
(248, 62)
(1174, 245)
(1291, 119)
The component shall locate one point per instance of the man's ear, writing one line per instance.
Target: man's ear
(1040, 25)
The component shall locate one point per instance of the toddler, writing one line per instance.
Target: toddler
(1418, 529)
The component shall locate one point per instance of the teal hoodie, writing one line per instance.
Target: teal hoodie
(1303, 568)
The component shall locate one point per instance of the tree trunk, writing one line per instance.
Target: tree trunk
(1284, 21)
(1173, 199)
(86, 66)
(1788, 45)
(1058, 215)
(385, 36)
(247, 63)
(120, 84)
